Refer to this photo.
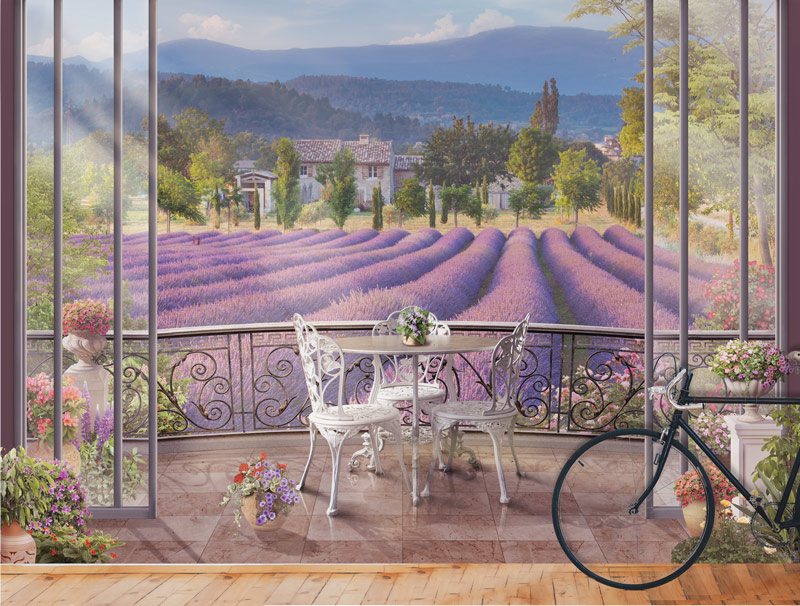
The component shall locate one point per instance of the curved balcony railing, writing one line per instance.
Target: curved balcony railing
(240, 379)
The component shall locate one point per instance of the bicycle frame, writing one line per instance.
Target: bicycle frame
(679, 422)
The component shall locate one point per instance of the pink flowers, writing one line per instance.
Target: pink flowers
(689, 487)
(87, 316)
(748, 361)
(41, 407)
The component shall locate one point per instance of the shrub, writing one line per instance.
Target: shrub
(65, 544)
(731, 542)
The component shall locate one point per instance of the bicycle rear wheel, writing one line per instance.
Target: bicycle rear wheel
(591, 502)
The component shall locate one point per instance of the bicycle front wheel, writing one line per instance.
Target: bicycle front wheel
(598, 531)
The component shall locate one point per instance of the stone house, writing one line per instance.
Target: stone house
(256, 183)
(404, 168)
(375, 160)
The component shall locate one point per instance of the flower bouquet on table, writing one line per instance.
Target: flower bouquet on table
(41, 405)
(690, 492)
(262, 493)
(413, 325)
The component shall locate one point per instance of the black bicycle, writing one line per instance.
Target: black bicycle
(611, 510)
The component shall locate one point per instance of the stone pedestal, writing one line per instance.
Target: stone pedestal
(747, 441)
(93, 379)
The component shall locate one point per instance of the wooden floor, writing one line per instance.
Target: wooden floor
(383, 584)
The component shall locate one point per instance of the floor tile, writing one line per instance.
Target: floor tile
(345, 527)
(352, 551)
(452, 551)
(422, 527)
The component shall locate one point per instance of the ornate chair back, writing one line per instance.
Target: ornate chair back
(506, 365)
(323, 367)
(398, 369)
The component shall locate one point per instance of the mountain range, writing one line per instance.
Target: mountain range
(520, 57)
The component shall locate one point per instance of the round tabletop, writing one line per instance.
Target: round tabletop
(392, 345)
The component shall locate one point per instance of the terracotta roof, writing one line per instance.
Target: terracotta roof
(404, 162)
(370, 152)
(317, 150)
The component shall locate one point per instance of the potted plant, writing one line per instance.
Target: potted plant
(413, 325)
(749, 369)
(41, 404)
(85, 324)
(64, 499)
(262, 492)
(22, 481)
(690, 492)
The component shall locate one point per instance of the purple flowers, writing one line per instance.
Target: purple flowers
(67, 500)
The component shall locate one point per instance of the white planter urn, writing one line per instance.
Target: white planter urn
(748, 389)
(87, 374)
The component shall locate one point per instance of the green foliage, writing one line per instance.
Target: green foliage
(591, 151)
(577, 182)
(475, 205)
(97, 472)
(489, 213)
(390, 215)
(631, 137)
(377, 208)
(529, 199)
(410, 199)
(623, 190)
(730, 543)
(66, 545)
(340, 193)
(545, 114)
(466, 152)
(532, 156)
(456, 198)
(256, 210)
(23, 479)
(177, 197)
(431, 206)
(286, 189)
(314, 212)
(445, 210)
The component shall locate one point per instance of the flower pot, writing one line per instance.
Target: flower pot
(411, 342)
(16, 545)
(748, 389)
(86, 346)
(69, 454)
(250, 513)
(694, 516)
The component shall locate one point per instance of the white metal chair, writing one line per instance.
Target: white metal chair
(394, 377)
(324, 370)
(496, 417)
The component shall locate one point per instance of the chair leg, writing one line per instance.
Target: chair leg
(436, 434)
(374, 430)
(312, 431)
(514, 451)
(335, 441)
(496, 434)
(453, 443)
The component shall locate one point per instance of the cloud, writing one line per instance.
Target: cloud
(94, 47)
(211, 27)
(444, 28)
(489, 19)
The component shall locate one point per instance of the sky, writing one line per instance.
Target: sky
(273, 24)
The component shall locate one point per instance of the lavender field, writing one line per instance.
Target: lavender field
(243, 278)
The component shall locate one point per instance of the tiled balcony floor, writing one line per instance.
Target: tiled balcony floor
(462, 521)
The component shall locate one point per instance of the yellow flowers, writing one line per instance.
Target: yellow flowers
(743, 520)
(725, 503)
(770, 550)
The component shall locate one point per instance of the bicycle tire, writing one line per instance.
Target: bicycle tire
(586, 569)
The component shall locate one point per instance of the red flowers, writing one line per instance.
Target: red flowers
(238, 478)
(243, 467)
(88, 543)
(53, 552)
(263, 456)
(113, 555)
(93, 552)
(281, 466)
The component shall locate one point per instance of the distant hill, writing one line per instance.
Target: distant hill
(269, 109)
(521, 57)
(436, 102)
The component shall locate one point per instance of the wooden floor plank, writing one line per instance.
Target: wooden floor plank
(389, 584)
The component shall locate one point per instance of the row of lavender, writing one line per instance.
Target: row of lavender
(242, 278)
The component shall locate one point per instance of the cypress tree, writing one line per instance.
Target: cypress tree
(445, 209)
(256, 210)
(377, 208)
(485, 192)
(431, 206)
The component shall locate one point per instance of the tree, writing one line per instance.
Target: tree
(256, 210)
(211, 166)
(577, 182)
(475, 205)
(485, 191)
(431, 206)
(340, 196)
(631, 137)
(177, 197)
(445, 208)
(286, 189)
(410, 199)
(545, 113)
(591, 151)
(456, 198)
(532, 156)
(236, 202)
(313, 213)
(377, 208)
(530, 199)
(466, 152)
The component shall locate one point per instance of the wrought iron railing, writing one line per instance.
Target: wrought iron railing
(240, 379)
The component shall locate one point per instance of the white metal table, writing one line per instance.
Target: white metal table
(392, 345)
